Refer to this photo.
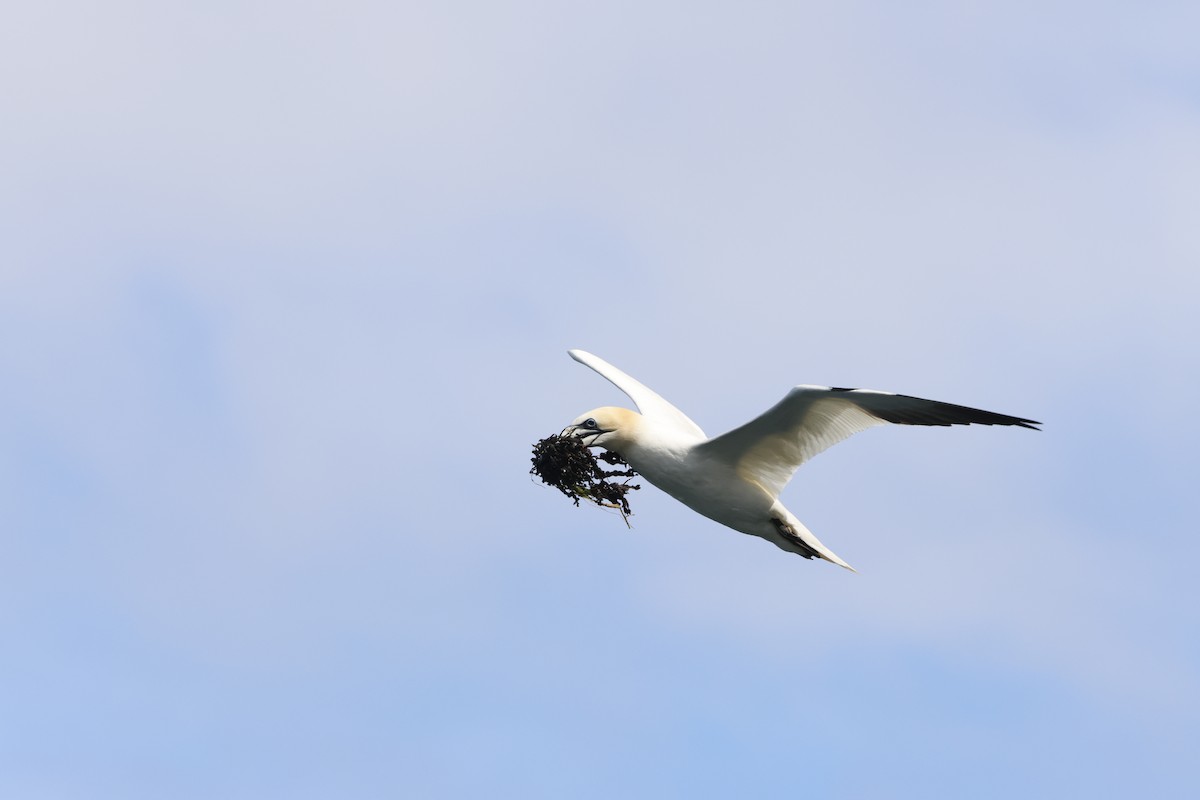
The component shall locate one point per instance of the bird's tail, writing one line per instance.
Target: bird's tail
(796, 538)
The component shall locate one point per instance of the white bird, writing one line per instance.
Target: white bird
(735, 479)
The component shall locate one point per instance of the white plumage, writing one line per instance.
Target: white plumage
(735, 479)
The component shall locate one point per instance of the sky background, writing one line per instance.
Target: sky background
(285, 295)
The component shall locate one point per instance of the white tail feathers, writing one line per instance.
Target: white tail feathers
(794, 537)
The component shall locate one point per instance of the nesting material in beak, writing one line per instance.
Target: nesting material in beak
(566, 463)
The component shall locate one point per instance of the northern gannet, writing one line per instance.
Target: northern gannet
(735, 479)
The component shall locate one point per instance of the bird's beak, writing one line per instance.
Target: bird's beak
(587, 435)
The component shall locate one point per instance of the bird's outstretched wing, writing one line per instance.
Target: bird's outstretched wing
(811, 419)
(647, 401)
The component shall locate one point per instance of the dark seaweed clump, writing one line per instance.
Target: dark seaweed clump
(567, 464)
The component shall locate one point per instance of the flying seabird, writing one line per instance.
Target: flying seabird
(735, 478)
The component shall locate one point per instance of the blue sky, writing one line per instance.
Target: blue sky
(285, 297)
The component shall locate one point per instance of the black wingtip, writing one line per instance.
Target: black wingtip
(928, 412)
(1002, 419)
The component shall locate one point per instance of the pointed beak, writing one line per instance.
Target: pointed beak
(587, 435)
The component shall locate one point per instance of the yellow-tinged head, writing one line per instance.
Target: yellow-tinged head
(609, 427)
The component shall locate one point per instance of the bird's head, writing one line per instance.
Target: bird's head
(608, 427)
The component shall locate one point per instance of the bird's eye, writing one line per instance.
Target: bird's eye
(589, 423)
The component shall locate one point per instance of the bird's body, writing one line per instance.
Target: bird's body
(679, 465)
(735, 479)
